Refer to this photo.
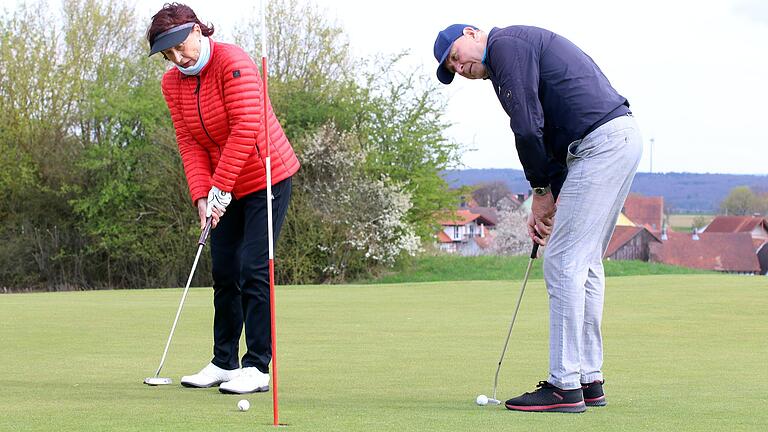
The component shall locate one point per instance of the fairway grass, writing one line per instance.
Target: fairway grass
(683, 353)
(450, 267)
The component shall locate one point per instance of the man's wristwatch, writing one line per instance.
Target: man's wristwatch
(541, 191)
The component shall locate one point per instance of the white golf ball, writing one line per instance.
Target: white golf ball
(243, 405)
(482, 400)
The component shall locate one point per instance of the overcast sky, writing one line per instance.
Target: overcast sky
(694, 72)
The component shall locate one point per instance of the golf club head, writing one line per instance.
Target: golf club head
(484, 400)
(156, 381)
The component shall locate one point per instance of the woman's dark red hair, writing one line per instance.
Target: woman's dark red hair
(172, 15)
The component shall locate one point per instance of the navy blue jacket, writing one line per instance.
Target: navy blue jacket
(553, 93)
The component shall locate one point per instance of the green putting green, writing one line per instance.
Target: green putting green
(683, 353)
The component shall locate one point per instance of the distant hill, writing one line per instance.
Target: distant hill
(682, 192)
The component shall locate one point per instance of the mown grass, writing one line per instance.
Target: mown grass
(683, 353)
(433, 268)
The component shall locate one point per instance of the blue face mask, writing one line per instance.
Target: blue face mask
(205, 55)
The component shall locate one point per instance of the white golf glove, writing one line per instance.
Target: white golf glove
(217, 198)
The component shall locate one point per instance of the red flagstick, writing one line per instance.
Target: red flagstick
(268, 165)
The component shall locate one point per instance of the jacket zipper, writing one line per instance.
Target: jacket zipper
(200, 113)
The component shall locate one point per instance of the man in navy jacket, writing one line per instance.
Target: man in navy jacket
(579, 147)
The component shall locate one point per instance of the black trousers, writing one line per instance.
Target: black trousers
(240, 255)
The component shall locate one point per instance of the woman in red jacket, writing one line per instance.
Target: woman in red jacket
(214, 93)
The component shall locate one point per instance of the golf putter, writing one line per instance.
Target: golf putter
(534, 253)
(157, 379)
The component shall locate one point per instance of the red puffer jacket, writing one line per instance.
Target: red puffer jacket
(218, 119)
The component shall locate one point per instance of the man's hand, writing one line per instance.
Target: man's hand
(542, 217)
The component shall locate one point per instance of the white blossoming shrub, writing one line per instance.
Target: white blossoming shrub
(511, 234)
(364, 217)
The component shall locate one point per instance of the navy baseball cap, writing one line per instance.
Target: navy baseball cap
(443, 43)
(171, 37)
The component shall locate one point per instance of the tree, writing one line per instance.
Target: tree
(397, 116)
(762, 201)
(490, 194)
(95, 192)
(360, 222)
(405, 141)
(511, 233)
(38, 233)
(742, 201)
(311, 70)
(699, 222)
(304, 45)
(88, 155)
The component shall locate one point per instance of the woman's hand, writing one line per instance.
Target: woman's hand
(216, 214)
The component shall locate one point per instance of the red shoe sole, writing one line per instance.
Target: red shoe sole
(577, 407)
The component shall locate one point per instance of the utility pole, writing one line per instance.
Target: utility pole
(652, 155)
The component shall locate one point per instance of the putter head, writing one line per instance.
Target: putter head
(156, 381)
(492, 401)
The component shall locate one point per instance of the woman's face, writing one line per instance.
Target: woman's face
(186, 53)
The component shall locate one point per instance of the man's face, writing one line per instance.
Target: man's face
(186, 53)
(466, 55)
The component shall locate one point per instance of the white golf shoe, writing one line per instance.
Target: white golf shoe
(250, 380)
(210, 376)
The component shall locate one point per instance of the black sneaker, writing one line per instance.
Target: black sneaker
(548, 398)
(593, 394)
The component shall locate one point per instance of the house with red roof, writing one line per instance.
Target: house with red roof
(465, 233)
(755, 226)
(490, 214)
(732, 244)
(630, 243)
(647, 211)
(722, 252)
(640, 223)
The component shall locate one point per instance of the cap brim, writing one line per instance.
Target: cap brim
(169, 39)
(443, 74)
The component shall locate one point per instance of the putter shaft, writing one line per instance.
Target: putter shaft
(201, 244)
(534, 253)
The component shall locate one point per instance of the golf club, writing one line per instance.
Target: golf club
(157, 379)
(534, 253)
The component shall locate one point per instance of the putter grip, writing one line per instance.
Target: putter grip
(535, 250)
(206, 231)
